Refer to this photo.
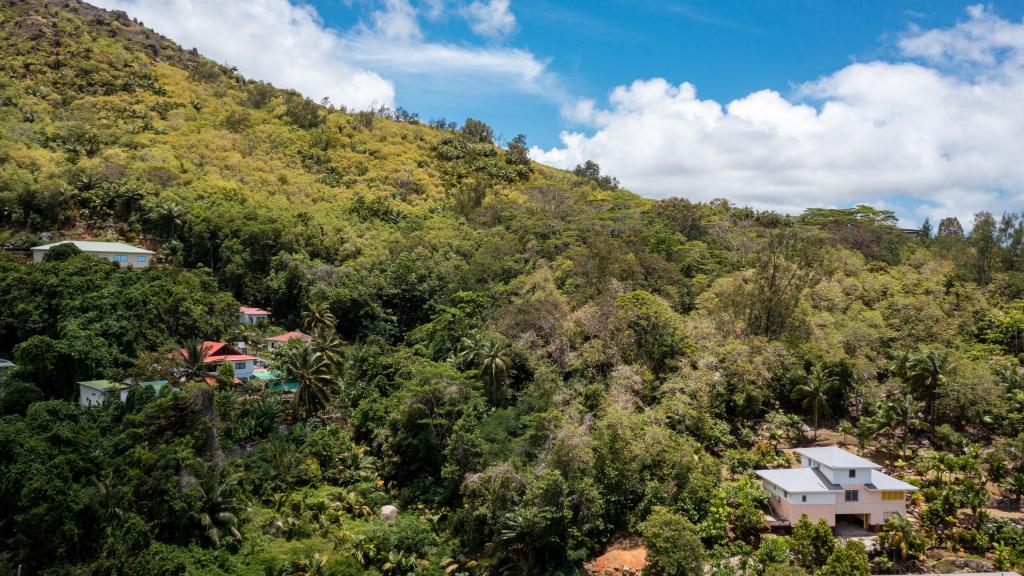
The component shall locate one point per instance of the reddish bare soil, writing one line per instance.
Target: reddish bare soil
(624, 557)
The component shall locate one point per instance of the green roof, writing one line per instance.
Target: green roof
(102, 385)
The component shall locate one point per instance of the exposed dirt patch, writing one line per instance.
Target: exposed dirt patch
(627, 556)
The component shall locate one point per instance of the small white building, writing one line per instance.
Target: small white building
(96, 392)
(251, 316)
(124, 255)
(833, 484)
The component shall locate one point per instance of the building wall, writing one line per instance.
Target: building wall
(243, 373)
(252, 318)
(90, 397)
(838, 475)
(814, 512)
(870, 503)
(128, 260)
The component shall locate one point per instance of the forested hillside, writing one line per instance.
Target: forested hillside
(530, 364)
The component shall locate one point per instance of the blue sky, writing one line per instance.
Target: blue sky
(784, 104)
(726, 49)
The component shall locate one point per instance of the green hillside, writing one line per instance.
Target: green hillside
(531, 364)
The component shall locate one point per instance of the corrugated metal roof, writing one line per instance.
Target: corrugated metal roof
(882, 481)
(799, 480)
(94, 246)
(835, 457)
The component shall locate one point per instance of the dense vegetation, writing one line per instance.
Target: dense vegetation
(528, 363)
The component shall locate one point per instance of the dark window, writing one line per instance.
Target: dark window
(852, 496)
(803, 498)
(853, 473)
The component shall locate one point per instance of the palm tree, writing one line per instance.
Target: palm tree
(493, 359)
(1010, 376)
(814, 394)
(218, 502)
(926, 375)
(193, 355)
(899, 419)
(329, 345)
(490, 357)
(899, 540)
(315, 375)
(316, 315)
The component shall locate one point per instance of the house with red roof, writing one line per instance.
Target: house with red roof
(218, 353)
(275, 341)
(251, 316)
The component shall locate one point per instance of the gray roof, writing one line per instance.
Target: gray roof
(882, 481)
(6, 363)
(835, 457)
(94, 246)
(799, 480)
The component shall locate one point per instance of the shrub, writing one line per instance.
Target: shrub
(673, 547)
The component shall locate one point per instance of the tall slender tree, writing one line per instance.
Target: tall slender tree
(814, 394)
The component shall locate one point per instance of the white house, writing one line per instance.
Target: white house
(96, 392)
(218, 353)
(835, 485)
(250, 315)
(125, 255)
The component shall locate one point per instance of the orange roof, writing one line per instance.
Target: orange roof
(253, 311)
(220, 352)
(294, 334)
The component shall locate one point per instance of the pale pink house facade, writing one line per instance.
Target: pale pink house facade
(834, 484)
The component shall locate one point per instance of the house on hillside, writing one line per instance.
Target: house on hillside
(252, 316)
(96, 392)
(837, 486)
(218, 353)
(275, 341)
(124, 255)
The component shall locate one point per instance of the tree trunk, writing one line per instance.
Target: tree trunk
(210, 413)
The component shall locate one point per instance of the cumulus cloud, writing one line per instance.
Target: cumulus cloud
(946, 139)
(491, 19)
(267, 39)
(289, 45)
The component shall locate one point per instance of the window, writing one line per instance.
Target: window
(890, 496)
(853, 473)
(852, 495)
(239, 365)
(140, 259)
(120, 258)
(803, 498)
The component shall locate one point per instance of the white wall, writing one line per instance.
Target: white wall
(130, 260)
(90, 396)
(243, 373)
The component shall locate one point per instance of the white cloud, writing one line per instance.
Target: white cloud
(270, 40)
(949, 142)
(289, 45)
(397, 21)
(491, 18)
